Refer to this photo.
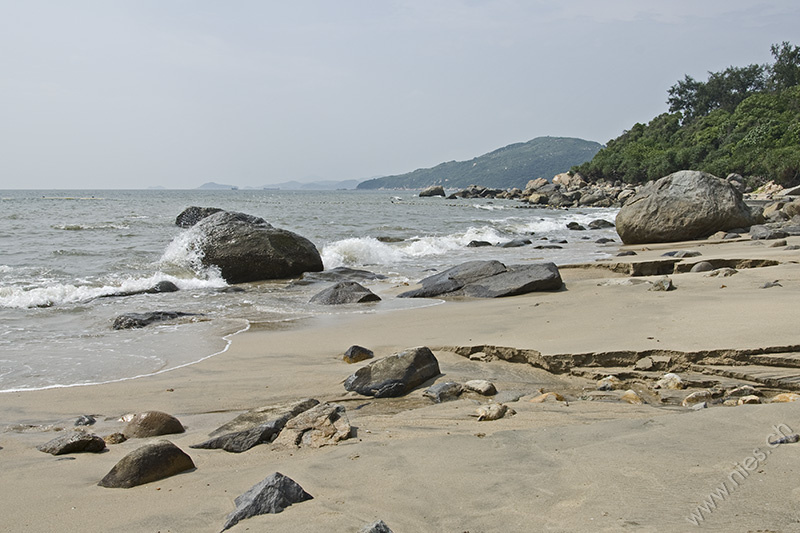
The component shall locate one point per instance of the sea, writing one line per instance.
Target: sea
(67, 255)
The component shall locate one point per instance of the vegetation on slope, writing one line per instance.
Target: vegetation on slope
(511, 166)
(741, 120)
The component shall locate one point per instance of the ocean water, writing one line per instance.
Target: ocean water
(64, 254)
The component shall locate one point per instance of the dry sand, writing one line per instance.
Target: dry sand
(581, 466)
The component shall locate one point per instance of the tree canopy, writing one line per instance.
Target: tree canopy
(743, 120)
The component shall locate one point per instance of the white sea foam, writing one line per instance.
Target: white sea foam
(66, 293)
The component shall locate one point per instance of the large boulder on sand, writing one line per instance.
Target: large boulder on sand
(149, 463)
(394, 375)
(686, 205)
(246, 248)
(489, 279)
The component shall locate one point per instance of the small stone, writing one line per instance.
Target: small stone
(670, 381)
(702, 266)
(85, 420)
(751, 399)
(724, 272)
(632, 397)
(785, 397)
(697, 397)
(115, 438)
(574, 226)
(645, 363)
(787, 439)
(376, 527)
(548, 396)
(700, 406)
(481, 386)
(609, 383)
(770, 284)
(272, 495)
(626, 253)
(356, 354)
(778, 243)
(443, 392)
(493, 411)
(73, 442)
(663, 284)
(732, 402)
(744, 390)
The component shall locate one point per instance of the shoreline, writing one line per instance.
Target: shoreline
(586, 466)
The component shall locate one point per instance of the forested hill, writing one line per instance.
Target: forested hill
(511, 166)
(743, 120)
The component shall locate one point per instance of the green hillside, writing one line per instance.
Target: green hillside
(511, 166)
(743, 120)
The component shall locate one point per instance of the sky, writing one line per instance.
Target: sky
(132, 94)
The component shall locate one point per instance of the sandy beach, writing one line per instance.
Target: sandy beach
(592, 463)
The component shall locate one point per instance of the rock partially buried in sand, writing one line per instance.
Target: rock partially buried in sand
(632, 397)
(394, 375)
(73, 442)
(493, 411)
(323, 425)
(696, 397)
(662, 284)
(272, 495)
(670, 381)
(356, 354)
(547, 397)
(609, 383)
(375, 527)
(747, 400)
(152, 424)
(265, 430)
(481, 386)
(785, 397)
(147, 464)
(444, 392)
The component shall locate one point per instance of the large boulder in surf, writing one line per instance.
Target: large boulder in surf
(686, 205)
(246, 248)
(394, 375)
(192, 215)
(433, 190)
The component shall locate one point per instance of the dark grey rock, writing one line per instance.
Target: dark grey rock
(515, 243)
(681, 253)
(683, 206)
(272, 495)
(147, 464)
(433, 190)
(241, 441)
(478, 244)
(85, 420)
(73, 442)
(345, 292)
(600, 224)
(340, 274)
(548, 247)
(246, 248)
(574, 226)
(518, 279)
(762, 233)
(444, 392)
(375, 527)
(152, 424)
(356, 354)
(626, 253)
(160, 287)
(140, 320)
(454, 278)
(394, 375)
(192, 215)
(603, 240)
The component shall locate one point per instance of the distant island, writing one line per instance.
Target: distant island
(217, 186)
(511, 166)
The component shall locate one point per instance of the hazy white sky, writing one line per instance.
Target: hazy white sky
(138, 93)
